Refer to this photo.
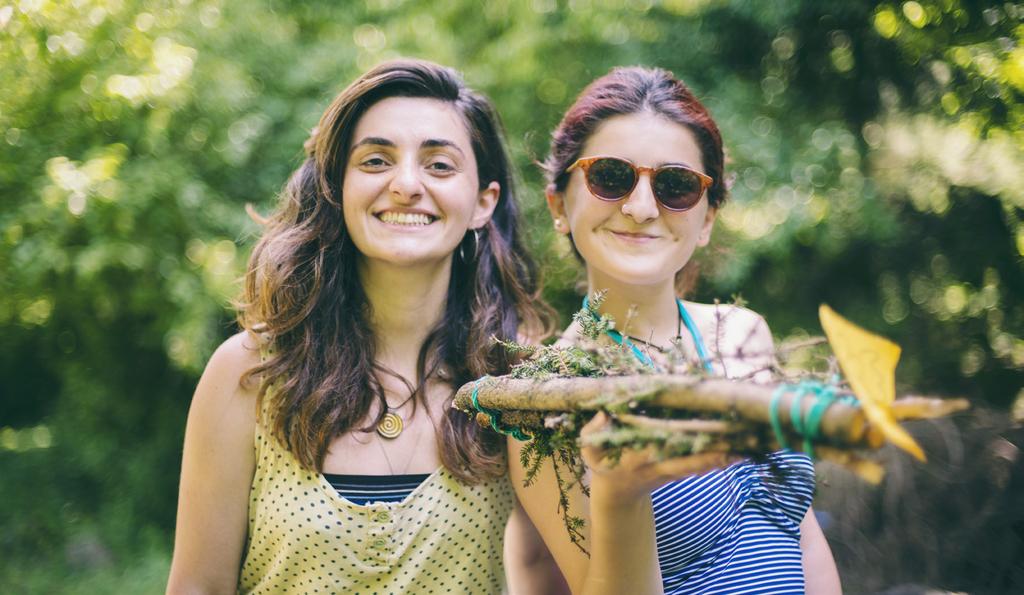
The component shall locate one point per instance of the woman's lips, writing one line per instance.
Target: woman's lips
(633, 237)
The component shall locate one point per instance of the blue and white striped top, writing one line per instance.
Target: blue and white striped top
(368, 489)
(734, 530)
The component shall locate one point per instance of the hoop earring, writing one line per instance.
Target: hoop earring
(476, 246)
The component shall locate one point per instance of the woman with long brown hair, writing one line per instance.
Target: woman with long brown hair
(635, 179)
(321, 452)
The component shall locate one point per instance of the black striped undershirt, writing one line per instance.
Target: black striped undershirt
(369, 489)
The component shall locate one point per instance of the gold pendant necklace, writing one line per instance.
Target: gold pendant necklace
(390, 427)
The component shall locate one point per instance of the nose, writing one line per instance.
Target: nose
(406, 185)
(640, 205)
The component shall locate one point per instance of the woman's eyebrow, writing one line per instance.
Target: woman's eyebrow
(431, 143)
(374, 140)
(677, 162)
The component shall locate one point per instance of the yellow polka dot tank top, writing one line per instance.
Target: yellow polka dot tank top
(445, 537)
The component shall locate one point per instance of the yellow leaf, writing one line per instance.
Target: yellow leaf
(869, 363)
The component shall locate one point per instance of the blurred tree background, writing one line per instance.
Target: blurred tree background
(877, 151)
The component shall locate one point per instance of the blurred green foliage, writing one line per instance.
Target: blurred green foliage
(877, 151)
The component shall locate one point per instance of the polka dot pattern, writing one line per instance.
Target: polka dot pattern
(445, 537)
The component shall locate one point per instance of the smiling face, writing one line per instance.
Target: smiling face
(634, 240)
(410, 191)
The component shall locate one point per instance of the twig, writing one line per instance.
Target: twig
(708, 426)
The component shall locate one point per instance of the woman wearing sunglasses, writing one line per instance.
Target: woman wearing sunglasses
(322, 454)
(635, 178)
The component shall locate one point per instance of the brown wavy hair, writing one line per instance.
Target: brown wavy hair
(302, 289)
(632, 90)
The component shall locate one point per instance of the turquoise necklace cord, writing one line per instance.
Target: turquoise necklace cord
(807, 426)
(495, 416)
(698, 341)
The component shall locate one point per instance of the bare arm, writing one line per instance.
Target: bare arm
(820, 572)
(217, 468)
(539, 501)
(624, 554)
(619, 519)
(529, 565)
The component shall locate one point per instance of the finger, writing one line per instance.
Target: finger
(681, 467)
(595, 457)
(650, 462)
(639, 457)
(596, 424)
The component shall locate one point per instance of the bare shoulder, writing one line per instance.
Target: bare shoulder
(738, 337)
(221, 390)
(725, 314)
(728, 321)
(239, 353)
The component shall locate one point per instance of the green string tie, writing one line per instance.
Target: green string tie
(807, 426)
(495, 417)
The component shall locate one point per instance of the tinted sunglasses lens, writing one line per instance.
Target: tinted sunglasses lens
(611, 178)
(677, 188)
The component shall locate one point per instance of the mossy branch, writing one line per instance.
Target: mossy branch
(554, 392)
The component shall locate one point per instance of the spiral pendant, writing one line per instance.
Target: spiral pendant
(390, 427)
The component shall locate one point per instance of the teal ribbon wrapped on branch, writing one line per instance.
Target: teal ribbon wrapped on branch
(808, 426)
(495, 416)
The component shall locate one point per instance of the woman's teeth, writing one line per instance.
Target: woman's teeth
(405, 218)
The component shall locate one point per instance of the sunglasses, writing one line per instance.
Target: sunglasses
(677, 188)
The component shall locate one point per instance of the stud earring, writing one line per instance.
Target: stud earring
(558, 223)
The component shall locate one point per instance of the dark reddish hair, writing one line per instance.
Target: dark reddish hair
(629, 91)
(634, 90)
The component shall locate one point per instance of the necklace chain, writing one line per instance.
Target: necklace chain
(387, 459)
(679, 335)
(685, 318)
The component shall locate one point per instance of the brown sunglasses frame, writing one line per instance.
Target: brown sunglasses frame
(584, 164)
